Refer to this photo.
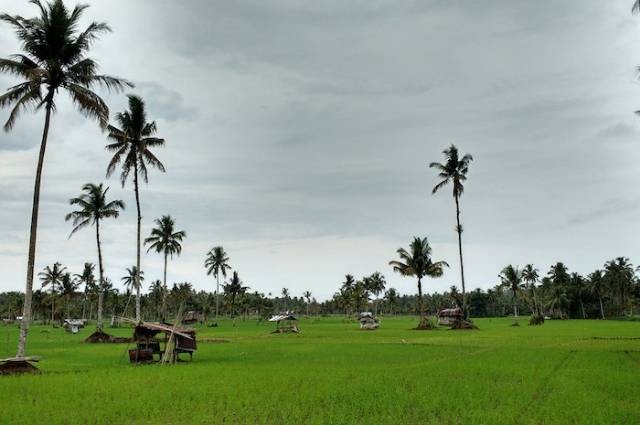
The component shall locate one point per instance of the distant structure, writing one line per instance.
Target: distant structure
(449, 316)
(368, 321)
(285, 322)
(177, 340)
(73, 325)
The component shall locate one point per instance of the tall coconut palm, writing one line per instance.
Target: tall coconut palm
(52, 277)
(86, 278)
(54, 59)
(376, 285)
(285, 296)
(531, 275)
(511, 278)
(164, 239)
(93, 207)
(417, 262)
(391, 297)
(68, 290)
(217, 263)
(131, 146)
(454, 171)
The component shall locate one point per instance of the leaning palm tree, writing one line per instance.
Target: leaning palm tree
(52, 277)
(454, 171)
(93, 207)
(164, 239)
(511, 278)
(132, 144)
(54, 58)
(217, 263)
(417, 262)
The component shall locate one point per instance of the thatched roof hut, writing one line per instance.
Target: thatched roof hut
(285, 322)
(368, 321)
(449, 316)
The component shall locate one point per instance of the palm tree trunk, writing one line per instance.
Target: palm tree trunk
(464, 289)
(135, 183)
(28, 293)
(217, 295)
(100, 277)
(584, 315)
(420, 303)
(164, 293)
(601, 307)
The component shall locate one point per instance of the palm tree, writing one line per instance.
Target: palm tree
(307, 297)
(54, 58)
(597, 287)
(417, 262)
(157, 293)
(375, 284)
(234, 290)
(511, 278)
(391, 296)
(578, 287)
(93, 207)
(52, 277)
(166, 240)
(68, 288)
(217, 263)
(345, 296)
(531, 275)
(132, 282)
(455, 170)
(88, 279)
(285, 296)
(131, 146)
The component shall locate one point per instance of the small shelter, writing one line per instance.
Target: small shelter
(73, 325)
(190, 318)
(285, 322)
(177, 340)
(368, 321)
(449, 316)
(18, 365)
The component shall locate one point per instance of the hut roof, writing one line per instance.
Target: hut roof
(450, 312)
(281, 317)
(150, 327)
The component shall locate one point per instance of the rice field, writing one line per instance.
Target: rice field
(564, 372)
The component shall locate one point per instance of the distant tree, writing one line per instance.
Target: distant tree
(391, 298)
(86, 278)
(285, 296)
(454, 171)
(511, 278)
(166, 240)
(597, 287)
(94, 207)
(345, 295)
(620, 276)
(417, 262)
(132, 144)
(579, 287)
(52, 277)
(68, 288)
(307, 297)
(530, 276)
(375, 284)
(158, 296)
(217, 263)
(54, 59)
(132, 282)
(234, 291)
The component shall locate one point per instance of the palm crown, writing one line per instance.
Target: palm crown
(132, 141)
(55, 57)
(454, 170)
(129, 281)
(93, 207)
(164, 238)
(418, 262)
(52, 276)
(217, 262)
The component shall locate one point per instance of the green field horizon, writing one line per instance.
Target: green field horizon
(564, 372)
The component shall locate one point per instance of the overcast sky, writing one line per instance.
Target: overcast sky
(299, 133)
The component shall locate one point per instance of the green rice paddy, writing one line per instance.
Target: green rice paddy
(565, 372)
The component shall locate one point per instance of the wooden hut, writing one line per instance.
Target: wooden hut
(177, 340)
(368, 321)
(285, 322)
(73, 325)
(449, 316)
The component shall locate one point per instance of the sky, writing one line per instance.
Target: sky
(299, 136)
